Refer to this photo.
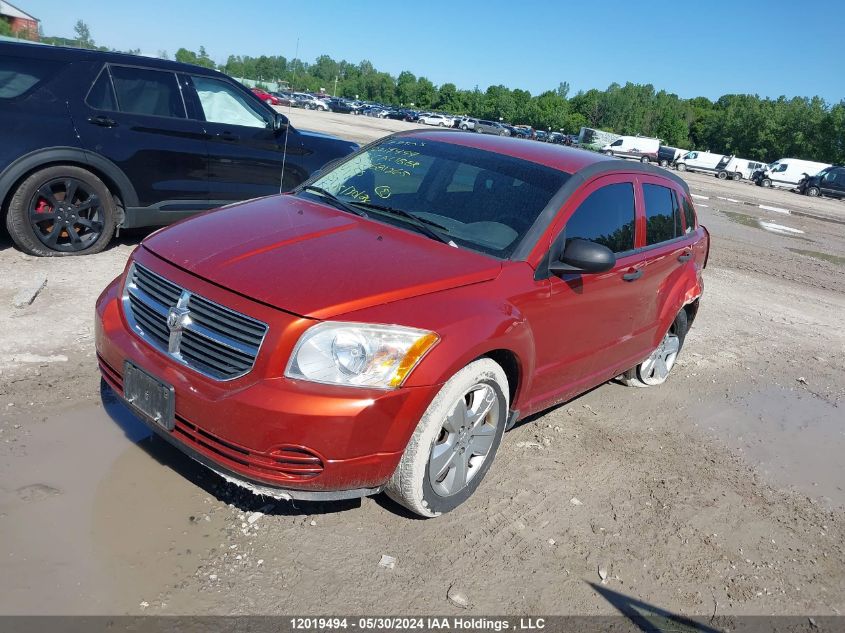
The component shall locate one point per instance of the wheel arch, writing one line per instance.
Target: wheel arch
(104, 169)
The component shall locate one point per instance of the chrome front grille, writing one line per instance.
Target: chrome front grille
(194, 331)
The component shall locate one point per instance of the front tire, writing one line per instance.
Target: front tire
(766, 182)
(813, 192)
(454, 443)
(681, 167)
(664, 163)
(60, 211)
(655, 369)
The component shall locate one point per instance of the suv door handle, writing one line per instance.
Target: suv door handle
(102, 121)
(633, 275)
(226, 136)
(685, 257)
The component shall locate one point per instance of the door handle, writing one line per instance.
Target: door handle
(685, 257)
(102, 121)
(227, 136)
(633, 275)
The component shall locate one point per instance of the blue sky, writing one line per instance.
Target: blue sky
(769, 47)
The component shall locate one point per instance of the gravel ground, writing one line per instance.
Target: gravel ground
(719, 493)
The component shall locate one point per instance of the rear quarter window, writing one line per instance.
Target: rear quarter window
(689, 215)
(20, 75)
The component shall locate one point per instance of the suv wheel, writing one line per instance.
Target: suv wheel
(454, 443)
(766, 182)
(813, 192)
(681, 167)
(655, 369)
(62, 210)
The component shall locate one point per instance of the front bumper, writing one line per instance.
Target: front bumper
(270, 434)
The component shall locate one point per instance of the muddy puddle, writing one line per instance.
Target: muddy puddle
(93, 519)
(795, 439)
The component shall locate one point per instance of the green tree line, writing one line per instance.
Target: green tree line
(749, 126)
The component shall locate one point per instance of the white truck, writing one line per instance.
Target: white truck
(737, 168)
(705, 162)
(786, 173)
(641, 148)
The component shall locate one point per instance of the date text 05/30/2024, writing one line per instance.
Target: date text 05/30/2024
(417, 624)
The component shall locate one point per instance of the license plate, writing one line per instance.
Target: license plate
(149, 396)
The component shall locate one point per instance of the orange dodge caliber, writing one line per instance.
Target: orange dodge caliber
(380, 327)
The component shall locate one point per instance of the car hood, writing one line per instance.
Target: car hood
(312, 260)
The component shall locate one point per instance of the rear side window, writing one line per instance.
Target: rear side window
(689, 215)
(19, 75)
(145, 91)
(101, 95)
(606, 217)
(663, 217)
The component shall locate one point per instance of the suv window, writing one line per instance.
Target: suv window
(616, 143)
(101, 95)
(663, 218)
(145, 91)
(606, 217)
(18, 75)
(222, 103)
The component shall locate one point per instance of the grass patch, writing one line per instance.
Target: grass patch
(827, 257)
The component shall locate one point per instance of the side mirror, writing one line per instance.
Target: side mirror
(280, 122)
(583, 256)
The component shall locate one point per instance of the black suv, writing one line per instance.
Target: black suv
(91, 142)
(828, 182)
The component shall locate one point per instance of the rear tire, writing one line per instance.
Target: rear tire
(722, 175)
(42, 222)
(655, 369)
(443, 462)
(664, 163)
(737, 176)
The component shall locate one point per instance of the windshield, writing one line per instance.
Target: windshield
(478, 200)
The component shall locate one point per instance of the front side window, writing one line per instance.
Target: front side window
(663, 217)
(19, 75)
(476, 199)
(605, 217)
(222, 103)
(145, 91)
(781, 167)
(616, 143)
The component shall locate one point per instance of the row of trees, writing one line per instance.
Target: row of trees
(745, 125)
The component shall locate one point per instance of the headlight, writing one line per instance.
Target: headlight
(359, 354)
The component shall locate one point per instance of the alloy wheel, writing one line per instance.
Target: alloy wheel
(464, 440)
(655, 369)
(66, 215)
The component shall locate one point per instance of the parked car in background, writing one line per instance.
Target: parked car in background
(737, 168)
(828, 182)
(467, 123)
(436, 119)
(526, 278)
(639, 148)
(541, 135)
(310, 102)
(93, 141)
(786, 173)
(705, 162)
(518, 132)
(343, 106)
(285, 98)
(266, 97)
(484, 126)
(666, 156)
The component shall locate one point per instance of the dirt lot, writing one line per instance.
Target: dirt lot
(722, 492)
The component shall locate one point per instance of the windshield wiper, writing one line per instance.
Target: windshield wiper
(422, 224)
(334, 200)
